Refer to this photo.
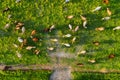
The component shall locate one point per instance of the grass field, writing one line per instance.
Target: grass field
(39, 15)
(44, 75)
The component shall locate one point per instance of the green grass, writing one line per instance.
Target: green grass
(44, 75)
(40, 14)
(25, 75)
(95, 76)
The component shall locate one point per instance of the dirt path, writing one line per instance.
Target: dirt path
(50, 68)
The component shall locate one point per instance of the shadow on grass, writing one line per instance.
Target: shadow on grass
(110, 42)
(95, 22)
(25, 75)
(89, 76)
(96, 76)
(4, 33)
